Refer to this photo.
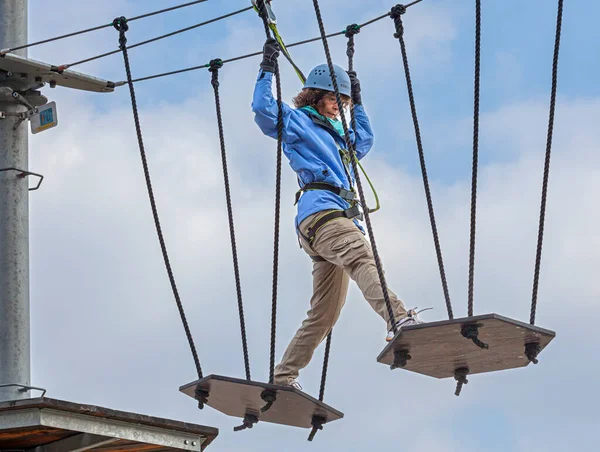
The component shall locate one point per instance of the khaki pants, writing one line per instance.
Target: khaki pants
(347, 254)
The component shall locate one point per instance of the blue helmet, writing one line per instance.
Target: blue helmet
(320, 78)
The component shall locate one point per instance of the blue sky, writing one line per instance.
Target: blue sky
(92, 232)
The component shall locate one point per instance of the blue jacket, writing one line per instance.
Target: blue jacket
(309, 143)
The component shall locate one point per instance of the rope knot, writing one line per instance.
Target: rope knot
(401, 357)
(396, 15)
(460, 375)
(121, 25)
(317, 423)
(214, 67)
(201, 395)
(249, 421)
(471, 331)
(269, 396)
(215, 64)
(532, 350)
(352, 30)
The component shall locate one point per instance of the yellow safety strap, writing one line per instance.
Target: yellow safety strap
(273, 27)
(279, 39)
(346, 159)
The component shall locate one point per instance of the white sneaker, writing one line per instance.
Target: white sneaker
(411, 319)
(294, 384)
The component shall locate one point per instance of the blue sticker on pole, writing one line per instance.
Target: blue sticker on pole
(45, 118)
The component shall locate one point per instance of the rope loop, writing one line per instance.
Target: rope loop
(532, 350)
(214, 67)
(317, 423)
(471, 331)
(269, 396)
(401, 357)
(249, 421)
(215, 64)
(396, 15)
(121, 25)
(460, 375)
(352, 30)
(201, 395)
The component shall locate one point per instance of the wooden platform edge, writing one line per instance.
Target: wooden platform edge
(193, 385)
(106, 413)
(467, 320)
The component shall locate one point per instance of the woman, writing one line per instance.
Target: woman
(327, 226)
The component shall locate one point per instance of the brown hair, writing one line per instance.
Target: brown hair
(311, 97)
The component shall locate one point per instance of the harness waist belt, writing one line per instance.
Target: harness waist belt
(346, 195)
(350, 213)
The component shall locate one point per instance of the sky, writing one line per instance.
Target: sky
(105, 328)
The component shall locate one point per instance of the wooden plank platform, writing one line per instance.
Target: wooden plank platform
(236, 397)
(54, 425)
(437, 349)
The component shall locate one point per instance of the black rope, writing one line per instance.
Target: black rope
(401, 357)
(471, 331)
(351, 149)
(460, 375)
(100, 27)
(250, 55)
(475, 152)
(249, 421)
(201, 396)
(325, 366)
(121, 25)
(532, 350)
(263, 14)
(538, 256)
(270, 397)
(317, 423)
(351, 30)
(158, 38)
(396, 15)
(215, 65)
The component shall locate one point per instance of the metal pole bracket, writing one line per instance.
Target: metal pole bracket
(22, 174)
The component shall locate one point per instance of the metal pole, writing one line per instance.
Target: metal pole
(14, 223)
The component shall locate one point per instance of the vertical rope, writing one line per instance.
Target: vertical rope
(351, 30)
(325, 365)
(351, 149)
(263, 15)
(396, 15)
(540, 241)
(121, 25)
(475, 152)
(215, 65)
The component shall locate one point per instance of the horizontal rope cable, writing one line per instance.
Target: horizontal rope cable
(158, 38)
(100, 27)
(249, 55)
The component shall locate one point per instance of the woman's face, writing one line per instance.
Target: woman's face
(328, 106)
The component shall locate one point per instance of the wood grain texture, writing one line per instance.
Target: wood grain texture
(437, 349)
(236, 397)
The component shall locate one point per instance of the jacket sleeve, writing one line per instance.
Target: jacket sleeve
(364, 134)
(265, 108)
